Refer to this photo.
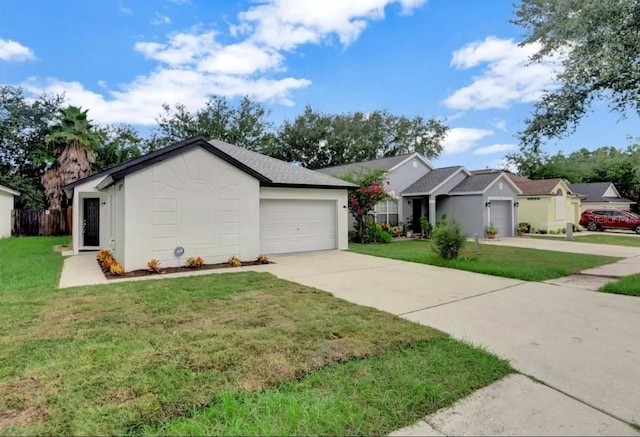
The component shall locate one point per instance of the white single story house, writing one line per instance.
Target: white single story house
(207, 198)
(7, 201)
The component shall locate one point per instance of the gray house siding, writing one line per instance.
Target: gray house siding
(401, 178)
(502, 190)
(466, 210)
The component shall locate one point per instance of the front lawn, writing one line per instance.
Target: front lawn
(615, 240)
(629, 285)
(235, 353)
(510, 262)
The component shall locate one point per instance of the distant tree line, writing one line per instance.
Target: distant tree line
(46, 144)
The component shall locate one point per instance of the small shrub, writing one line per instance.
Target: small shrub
(154, 266)
(234, 261)
(262, 259)
(103, 254)
(194, 262)
(116, 269)
(491, 230)
(542, 231)
(427, 228)
(563, 230)
(449, 239)
(107, 263)
(524, 227)
(383, 236)
(353, 237)
(442, 220)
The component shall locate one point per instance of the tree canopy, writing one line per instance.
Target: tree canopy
(598, 44)
(316, 140)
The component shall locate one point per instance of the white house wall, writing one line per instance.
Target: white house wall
(196, 201)
(337, 195)
(6, 205)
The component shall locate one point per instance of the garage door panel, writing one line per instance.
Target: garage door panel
(288, 226)
(501, 217)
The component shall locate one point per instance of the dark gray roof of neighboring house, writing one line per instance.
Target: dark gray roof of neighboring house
(594, 192)
(476, 183)
(269, 171)
(431, 180)
(375, 164)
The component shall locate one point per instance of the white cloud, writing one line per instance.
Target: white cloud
(125, 10)
(14, 51)
(500, 124)
(195, 64)
(286, 24)
(507, 77)
(160, 19)
(461, 139)
(494, 148)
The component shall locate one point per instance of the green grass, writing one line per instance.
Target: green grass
(629, 285)
(510, 262)
(614, 240)
(166, 355)
(29, 263)
(363, 397)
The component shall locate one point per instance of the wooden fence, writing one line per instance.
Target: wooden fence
(47, 222)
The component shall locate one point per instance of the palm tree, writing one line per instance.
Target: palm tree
(71, 143)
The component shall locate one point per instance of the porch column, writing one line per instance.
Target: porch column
(432, 211)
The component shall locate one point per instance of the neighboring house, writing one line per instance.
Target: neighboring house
(7, 197)
(211, 199)
(547, 204)
(600, 195)
(420, 190)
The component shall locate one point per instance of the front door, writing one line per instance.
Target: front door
(91, 222)
(417, 213)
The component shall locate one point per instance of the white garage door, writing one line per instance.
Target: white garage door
(501, 217)
(288, 226)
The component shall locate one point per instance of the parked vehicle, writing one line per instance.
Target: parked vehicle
(599, 219)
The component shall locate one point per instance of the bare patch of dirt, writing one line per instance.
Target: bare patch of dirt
(24, 416)
(122, 396)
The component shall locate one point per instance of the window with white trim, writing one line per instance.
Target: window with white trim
(387, 212)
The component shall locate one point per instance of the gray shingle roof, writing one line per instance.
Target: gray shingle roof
(269, 171)
(431, 180)
(277, 171)
(594, 192)
(476, 183)
(376, 164)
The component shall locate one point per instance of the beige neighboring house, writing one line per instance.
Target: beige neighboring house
(7, 197)
(547, 204)
(600, 195)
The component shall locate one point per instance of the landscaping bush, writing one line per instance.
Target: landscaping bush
(427, 228)
(448, 238)
(382, 236)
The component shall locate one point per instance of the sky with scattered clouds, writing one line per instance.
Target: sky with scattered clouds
(455, 59)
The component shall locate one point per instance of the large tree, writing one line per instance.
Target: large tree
(605, 164)
(24, 124)
(316, 140)
(245, 124)
(598, 45)
(121, 143)
(72, 141)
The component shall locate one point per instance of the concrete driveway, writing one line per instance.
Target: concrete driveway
(584, 345)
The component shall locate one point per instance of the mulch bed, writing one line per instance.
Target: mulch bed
(166, 270)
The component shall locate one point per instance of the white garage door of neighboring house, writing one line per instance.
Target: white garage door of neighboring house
(288, 226)
(501, 217)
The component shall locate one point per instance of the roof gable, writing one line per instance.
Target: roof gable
(387, 164)
(9, 190)
(595, 191)
(539, 187)
(269, 171)
(432, 180)
(479, 183)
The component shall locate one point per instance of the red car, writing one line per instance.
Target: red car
(599, 219)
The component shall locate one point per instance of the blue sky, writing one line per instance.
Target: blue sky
(455, 59)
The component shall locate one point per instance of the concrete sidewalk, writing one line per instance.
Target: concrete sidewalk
(566, 246)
